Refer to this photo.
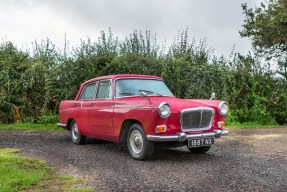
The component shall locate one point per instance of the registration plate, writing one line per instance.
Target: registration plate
(199, 142)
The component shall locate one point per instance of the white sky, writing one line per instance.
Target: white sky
(23, 21)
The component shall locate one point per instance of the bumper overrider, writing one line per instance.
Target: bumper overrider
(181, 137)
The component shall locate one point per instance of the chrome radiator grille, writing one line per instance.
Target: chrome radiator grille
(196, 119)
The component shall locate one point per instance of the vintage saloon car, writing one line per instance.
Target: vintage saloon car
(141, 111)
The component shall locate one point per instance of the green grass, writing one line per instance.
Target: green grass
(29, 174)
(35, 126)
(253, 125)
(29, 126)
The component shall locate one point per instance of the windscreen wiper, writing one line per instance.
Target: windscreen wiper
(149, 92)
(126, 93)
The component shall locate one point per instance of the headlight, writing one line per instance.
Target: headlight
(164, 110)
(223, 108)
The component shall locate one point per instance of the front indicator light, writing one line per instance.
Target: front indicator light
(220, 124)
(160, 129)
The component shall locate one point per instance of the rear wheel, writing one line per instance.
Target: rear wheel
(139, 147)
(76, 136)
(199, 150)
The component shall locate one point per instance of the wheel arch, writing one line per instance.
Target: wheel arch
(125, 128)
(70, 120)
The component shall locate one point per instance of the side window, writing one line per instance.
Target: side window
(104, 90)
(88, 92)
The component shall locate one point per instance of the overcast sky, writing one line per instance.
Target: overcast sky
(23, 21)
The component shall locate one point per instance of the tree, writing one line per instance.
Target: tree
(266, 25)
(13, 67)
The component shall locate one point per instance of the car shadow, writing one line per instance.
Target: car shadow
(89, 141)
(180, 154)
(160, 154)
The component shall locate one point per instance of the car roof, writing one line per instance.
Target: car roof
(120, 76)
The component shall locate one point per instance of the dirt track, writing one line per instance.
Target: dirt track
(246, 160)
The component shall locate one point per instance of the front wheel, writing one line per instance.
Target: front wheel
(139, 147)
(76, 136)
(199, 150)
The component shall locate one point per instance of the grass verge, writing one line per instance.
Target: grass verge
(29, 126)
(53, 127)
(253, 125)
(29, 174)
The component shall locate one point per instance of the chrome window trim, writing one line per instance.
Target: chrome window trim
(96, 82)
(196, 109)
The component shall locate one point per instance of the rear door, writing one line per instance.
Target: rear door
(84, 105)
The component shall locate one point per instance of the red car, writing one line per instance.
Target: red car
(141, 111)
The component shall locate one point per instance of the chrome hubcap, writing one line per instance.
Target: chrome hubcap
(75, 131)
(136, 142)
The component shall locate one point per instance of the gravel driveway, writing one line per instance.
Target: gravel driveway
(246, 160)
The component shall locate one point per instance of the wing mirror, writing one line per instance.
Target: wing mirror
(212, 96)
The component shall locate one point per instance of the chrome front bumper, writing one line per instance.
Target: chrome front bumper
(181, 137)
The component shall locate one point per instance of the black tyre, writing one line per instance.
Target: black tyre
(76, 136)
(139, 147)
(199, 150)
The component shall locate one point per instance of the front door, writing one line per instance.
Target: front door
(101, 112)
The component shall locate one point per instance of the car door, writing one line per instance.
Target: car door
(101, 113)
(84, 105)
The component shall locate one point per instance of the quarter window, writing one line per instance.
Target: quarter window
(88, 92)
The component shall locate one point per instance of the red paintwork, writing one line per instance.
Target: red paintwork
(103, 118)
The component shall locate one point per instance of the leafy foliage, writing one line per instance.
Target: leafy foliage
(266, 25)
(32, 83)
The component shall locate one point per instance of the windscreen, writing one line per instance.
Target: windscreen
(131, 87)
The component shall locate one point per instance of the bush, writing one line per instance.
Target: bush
(33, 83)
